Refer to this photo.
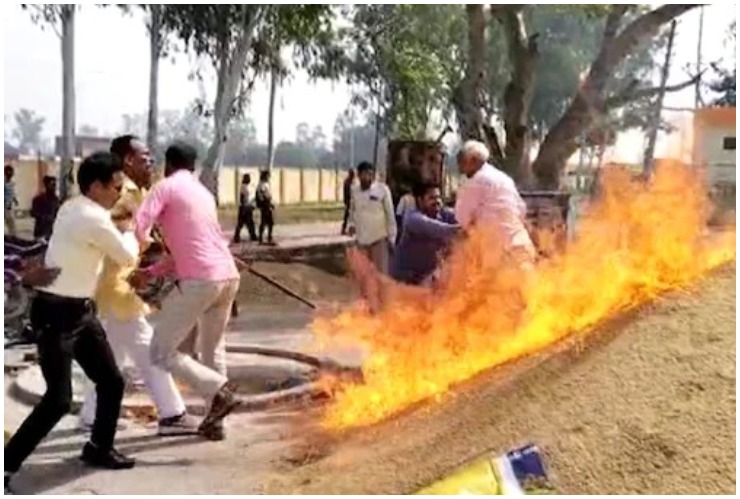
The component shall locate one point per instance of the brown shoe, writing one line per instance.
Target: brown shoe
(223, 403)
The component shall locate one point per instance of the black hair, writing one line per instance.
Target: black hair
(264, 175)
(49, 178)
(365, 166)
(9, 169)
(420, 189)
(246, 178)
(98, 167)
(181, 156)
(121, 146)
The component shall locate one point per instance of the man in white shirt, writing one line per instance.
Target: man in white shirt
(490, 199)
(64, 316)
(372, 218)
(246, 210)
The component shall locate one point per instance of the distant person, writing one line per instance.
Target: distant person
(245, 216)
(347, 197)
(208, 282)
(428, 231)
(64, 316)
(44, 209)
(10, 201)
(263, 200)
(372, 218)
(405, 204)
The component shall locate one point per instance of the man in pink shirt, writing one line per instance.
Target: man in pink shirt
(489, 198)
(208, 281)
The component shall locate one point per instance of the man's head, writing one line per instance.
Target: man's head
(350, 174)
(135, 157)
(9, 172)
(246, 179)
(471, 157)
(265, 176)
(100, 178)
(179, 156)
(366, 174)
(428, 198)
(50, 184)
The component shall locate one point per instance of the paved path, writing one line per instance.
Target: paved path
(302, 235)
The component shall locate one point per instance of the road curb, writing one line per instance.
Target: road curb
(28, 386)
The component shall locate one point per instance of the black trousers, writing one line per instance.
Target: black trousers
(346, 218)
(267, 221)
(245, 218)
(68, 329)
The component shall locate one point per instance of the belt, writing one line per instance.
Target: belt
(63, 300)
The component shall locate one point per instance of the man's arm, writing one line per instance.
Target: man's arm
(352, 207)
(103, 233)
(390, 215)
(417, 223)
(149, 212)
(468, 200)
(36, 210)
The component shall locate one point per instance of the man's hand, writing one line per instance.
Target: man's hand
(138, 278)
(241, 265)
(40, 275)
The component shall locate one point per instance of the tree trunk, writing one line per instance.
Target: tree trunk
(589, 102)
(271, 120)
(469, 105)
(376, 140)
(229, 76)
(648, 163)
(68, 101)
(523, 55)
(155, 52)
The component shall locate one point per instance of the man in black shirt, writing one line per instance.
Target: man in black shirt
(347, 197)
(44, 209)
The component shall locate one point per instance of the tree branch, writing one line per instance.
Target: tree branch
(632, 93)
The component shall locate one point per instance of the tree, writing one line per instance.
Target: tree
(27, 131)
(157, 49)
(89, 131)
(235, 39)
(592, 98)
(725, 82)
(61, 17)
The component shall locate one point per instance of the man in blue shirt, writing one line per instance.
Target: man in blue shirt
(428, 231)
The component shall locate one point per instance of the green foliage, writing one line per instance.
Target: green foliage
(27, 131)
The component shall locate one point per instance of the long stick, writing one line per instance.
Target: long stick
(281, 287)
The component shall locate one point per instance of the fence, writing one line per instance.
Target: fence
(289, 185)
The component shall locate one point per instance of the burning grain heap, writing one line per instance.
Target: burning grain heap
(635, 242)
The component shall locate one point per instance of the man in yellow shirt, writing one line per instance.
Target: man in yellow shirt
(124, 313)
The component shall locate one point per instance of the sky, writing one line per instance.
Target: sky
(112, 66)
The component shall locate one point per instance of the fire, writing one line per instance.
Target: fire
(637, 241)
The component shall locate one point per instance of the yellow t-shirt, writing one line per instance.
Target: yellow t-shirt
(114, 296)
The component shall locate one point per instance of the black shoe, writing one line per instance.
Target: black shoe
(223, 403)
(111, 459)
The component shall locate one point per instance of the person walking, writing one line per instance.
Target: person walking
(372, 218)
(64, 316)
(208, 282)
(263, 199)
(347, 197)
(246, 210)
(10, 201)
(44, 208)
(123, 313)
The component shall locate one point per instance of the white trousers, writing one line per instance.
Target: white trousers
(133, 338)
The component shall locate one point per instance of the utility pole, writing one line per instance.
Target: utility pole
(697, 88)
(648, 159)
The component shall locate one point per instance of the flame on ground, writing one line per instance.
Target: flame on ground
(636, 241)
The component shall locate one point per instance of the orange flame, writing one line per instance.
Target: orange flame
(636, 241)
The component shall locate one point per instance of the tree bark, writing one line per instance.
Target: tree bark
(523, 55)
(230, 64)
(649, 156)
(155, 52)
(271, 120)
(562, 140)
(469, 94)
(68, 101)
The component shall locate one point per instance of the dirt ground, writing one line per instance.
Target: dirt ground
(644, 405)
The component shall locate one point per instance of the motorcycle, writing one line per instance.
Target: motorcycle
(19, 253)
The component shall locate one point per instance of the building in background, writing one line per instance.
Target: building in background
(84, 145)
(714, 144)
